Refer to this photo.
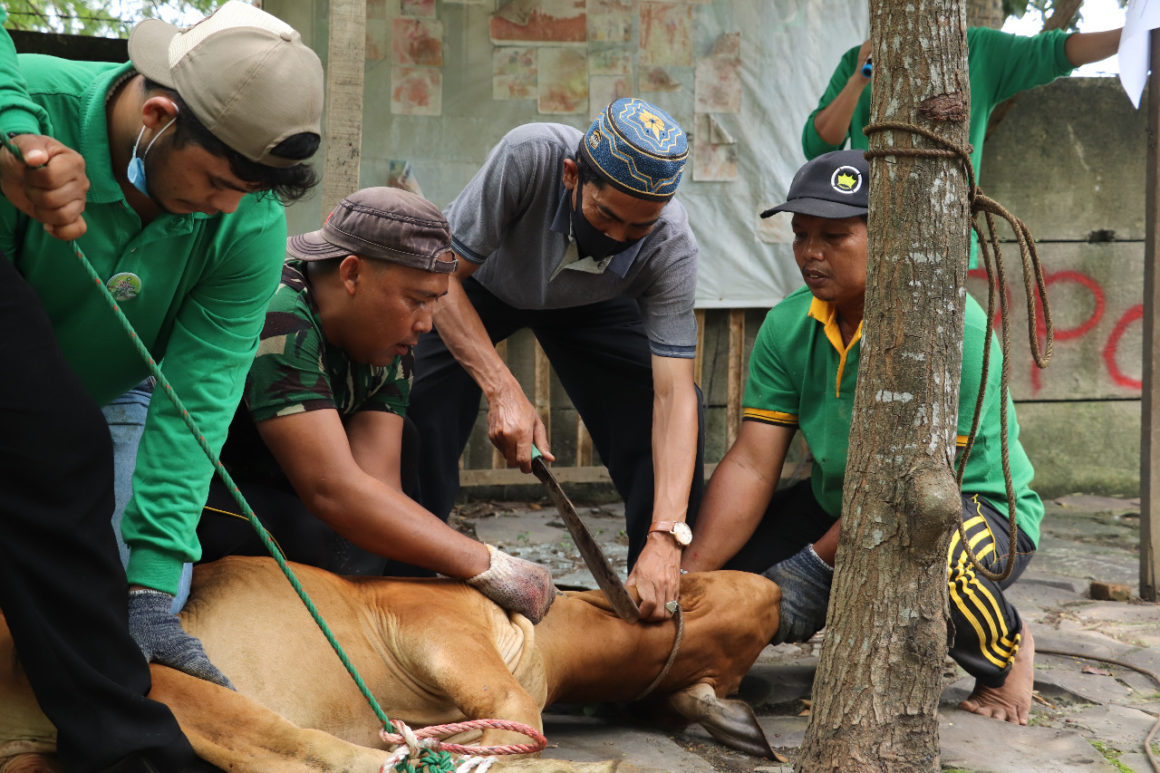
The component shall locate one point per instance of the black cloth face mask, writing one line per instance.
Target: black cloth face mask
(590, 241)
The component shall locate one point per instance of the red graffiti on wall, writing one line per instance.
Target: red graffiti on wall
(1085, 326)
(1131, 315)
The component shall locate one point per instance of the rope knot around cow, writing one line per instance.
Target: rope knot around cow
(413, 742)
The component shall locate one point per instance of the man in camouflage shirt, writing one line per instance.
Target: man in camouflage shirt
(317, 446)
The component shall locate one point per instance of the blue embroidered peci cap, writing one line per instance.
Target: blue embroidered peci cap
(638, 148)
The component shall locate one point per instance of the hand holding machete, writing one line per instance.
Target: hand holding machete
(594, 558)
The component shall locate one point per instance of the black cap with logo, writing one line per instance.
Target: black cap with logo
(833, 185)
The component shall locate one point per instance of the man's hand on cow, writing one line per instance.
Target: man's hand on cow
(516, 585)
(805, 580)
(159, 634)
(657, 577)
(50, 186)
(513, 425)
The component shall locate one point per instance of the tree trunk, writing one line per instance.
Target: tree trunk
(878, 683)
(985, 13)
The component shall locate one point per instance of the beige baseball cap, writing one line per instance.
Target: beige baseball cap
(245, 74)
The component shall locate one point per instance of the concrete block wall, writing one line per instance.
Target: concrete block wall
(1069, 160)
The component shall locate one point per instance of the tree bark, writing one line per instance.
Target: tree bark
(985, 13)
(878, 683)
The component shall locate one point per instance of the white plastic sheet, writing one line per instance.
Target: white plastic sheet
(789, 49)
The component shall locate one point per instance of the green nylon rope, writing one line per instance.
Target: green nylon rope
(263, 534)
(430, 761)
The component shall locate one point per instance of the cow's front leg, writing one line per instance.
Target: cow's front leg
(732, 722)
(238, 734)
(469, 670)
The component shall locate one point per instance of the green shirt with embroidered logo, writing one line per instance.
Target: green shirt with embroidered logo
(204, 284)
(802, 375)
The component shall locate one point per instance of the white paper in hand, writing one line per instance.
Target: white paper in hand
(1142, 17)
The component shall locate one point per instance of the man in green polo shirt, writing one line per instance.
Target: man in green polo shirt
(1000, 65)
(802, 375)
(189, 152)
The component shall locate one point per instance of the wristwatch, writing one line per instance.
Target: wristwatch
(679, 530)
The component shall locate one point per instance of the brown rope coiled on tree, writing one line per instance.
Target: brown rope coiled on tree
(996, 284)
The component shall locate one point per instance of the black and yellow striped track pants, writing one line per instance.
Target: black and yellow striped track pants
(985, 625)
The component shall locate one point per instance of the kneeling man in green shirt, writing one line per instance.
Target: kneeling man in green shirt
(802, 375)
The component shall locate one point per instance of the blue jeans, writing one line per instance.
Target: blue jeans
(125, 416)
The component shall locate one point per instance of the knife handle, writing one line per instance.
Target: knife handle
(535, 452)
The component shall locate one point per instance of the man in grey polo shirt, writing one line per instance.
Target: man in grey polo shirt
(577, 237)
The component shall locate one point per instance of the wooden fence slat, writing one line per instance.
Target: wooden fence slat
(542, 385)
(699, 360)
(513, 477)
(736, 375)
(497, 460)
(583, 444)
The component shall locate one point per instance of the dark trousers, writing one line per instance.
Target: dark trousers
(985, 626)
(62, 589)
(302, 536)
(601, 355)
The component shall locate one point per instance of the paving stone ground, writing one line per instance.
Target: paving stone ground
(1088, 716)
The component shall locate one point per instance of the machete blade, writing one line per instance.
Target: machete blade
(594, 558)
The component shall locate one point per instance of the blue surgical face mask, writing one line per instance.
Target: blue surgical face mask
(591, 241)
(136, 170)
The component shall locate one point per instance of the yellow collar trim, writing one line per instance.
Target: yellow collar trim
(827, 313)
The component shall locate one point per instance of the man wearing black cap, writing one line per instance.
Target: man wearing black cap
(802, 375)
(177, 148)
(316, 447)
(577, 237)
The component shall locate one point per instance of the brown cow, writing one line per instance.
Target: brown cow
(432, 651)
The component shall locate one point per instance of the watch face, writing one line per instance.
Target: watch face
(682, 533)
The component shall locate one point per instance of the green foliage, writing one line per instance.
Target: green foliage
(1042, 7)
(103, 18)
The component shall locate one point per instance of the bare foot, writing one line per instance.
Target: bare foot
(1012, 701)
